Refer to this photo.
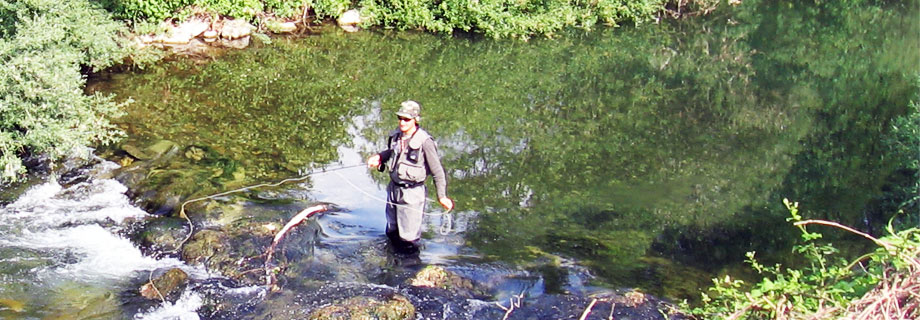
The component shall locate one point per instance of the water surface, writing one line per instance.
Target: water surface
(647, 158)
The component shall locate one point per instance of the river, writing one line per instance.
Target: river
(650, 158)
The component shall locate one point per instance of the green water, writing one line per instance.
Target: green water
(655, 156)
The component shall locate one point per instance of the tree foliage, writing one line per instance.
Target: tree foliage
(44, 46)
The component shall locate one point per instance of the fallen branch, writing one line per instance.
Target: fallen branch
(297, 219)
(584, 315)
(834, 224)
(511, 305)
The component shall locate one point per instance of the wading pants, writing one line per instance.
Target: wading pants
(404, 212)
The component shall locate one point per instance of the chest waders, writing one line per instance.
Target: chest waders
(406, 191)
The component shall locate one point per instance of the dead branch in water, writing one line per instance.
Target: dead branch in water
(297, 219)
(514, 302)
(584, 315)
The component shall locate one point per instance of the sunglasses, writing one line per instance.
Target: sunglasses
(405, 119)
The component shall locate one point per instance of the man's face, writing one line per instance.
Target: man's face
(406, 124)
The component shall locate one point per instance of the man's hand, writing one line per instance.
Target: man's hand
(373, 161)
(447, 203)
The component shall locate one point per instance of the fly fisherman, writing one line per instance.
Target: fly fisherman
(411, 156)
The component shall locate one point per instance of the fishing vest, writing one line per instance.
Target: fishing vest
(408, 169)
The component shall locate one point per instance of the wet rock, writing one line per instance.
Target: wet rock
(167, 286)
(361, 307)
(162, 234)
(136, 152)
(156, 150)
(204, 246)
(437, 277)
(75, 301)
(349, 20)
(161, 147)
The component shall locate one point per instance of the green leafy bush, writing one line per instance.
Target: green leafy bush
(494, 18)
(145, 9)
(43, 109)
(825, 287)
(505, 18)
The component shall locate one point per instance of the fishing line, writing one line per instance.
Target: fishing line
(446, 220)
(446, 224)
(191, 227)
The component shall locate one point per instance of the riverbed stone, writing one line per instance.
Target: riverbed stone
(155, 150)
(362, 307)
(204, 245)
(162, 234)
(167, 286)
(433, 276)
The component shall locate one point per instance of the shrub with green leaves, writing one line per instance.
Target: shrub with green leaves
(494, 18)
(43, 109)
(825, 287)
(506, 18)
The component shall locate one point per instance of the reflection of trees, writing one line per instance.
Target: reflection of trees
(681, 136)
(672, 140)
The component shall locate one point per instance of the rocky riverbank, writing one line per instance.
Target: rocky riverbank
(200, 33)
(231, 236)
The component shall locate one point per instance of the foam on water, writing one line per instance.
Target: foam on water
(183, 309)
(99, 254)
(76, 228)
(49, 204)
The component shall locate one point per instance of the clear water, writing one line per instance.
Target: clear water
(647, 158)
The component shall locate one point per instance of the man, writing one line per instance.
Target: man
(411, 156)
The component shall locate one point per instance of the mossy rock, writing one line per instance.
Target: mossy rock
(205, 245)
(168, 285)
(162, 234)
(439, 277)
(394, 308)
(152, 151)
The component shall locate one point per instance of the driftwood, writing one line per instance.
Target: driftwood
(270, 278)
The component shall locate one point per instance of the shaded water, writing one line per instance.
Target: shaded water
(648, 158)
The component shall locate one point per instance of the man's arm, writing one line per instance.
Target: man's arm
(440, 177)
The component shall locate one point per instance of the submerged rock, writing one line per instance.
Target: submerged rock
(167, 286)
(361, 307)
(162, 234)
(438, 277)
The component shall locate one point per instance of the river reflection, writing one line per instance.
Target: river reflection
(653, 157)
